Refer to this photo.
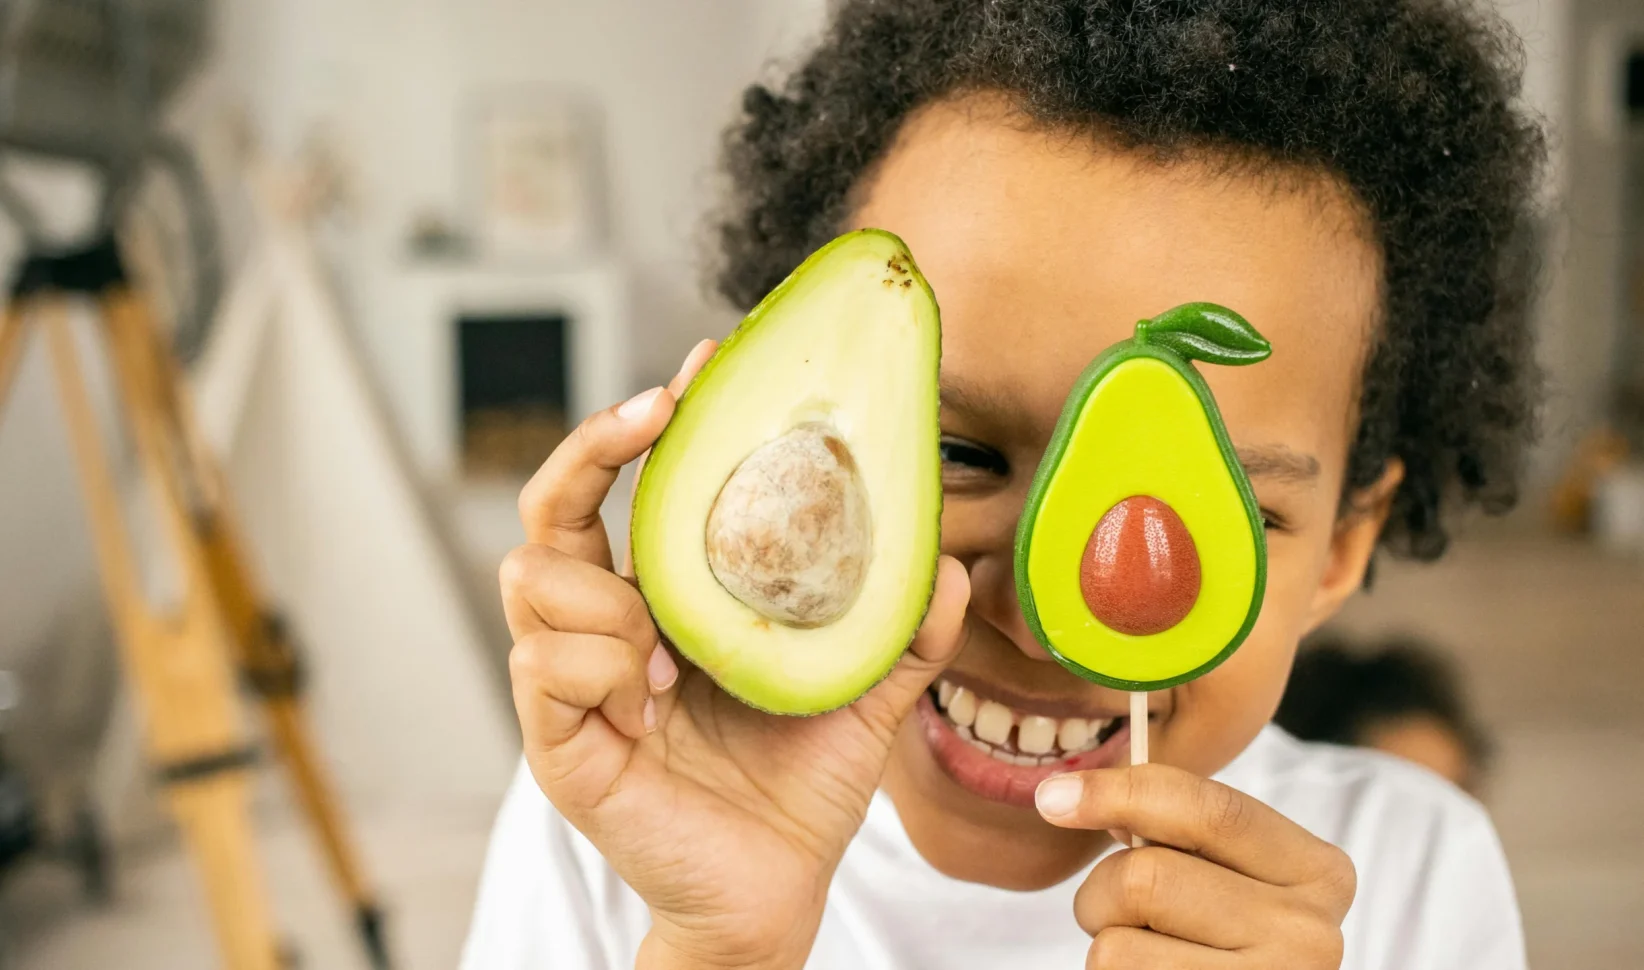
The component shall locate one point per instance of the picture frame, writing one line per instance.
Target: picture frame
(532, 175)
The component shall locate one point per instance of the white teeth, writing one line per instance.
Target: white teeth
(1075, 734)
(993, 722)
(1036, 735)
(987, 726)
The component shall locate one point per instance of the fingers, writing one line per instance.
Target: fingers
(1126, 948)
(939, 640)
(687, 372)
(1170, 806)
(1176, 894)
(1260, 888)
(545, 589)
(558, 678)
(559, 507)
(583, 640)
(940, 635)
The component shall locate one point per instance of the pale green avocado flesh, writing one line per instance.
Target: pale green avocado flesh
(850, 344)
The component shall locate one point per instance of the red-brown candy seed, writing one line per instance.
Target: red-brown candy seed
(1140, 572)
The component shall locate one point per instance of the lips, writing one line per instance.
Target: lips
(1002, 753)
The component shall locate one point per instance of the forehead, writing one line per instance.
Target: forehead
(1044, 247)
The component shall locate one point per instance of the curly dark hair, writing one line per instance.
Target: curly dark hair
(1409, 103)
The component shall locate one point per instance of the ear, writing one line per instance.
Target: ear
(1353, 542)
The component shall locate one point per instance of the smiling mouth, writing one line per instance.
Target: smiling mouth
(1002, 752)
(1018, 737)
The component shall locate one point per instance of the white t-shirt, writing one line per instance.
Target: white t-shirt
(1434, 891)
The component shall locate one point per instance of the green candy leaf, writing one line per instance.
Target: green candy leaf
(1207, 332)
(1195, 347)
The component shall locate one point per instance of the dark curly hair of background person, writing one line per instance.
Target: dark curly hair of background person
(1411, 103)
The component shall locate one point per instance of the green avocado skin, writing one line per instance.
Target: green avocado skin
(1138, 348)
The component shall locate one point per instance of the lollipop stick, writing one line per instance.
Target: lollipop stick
(1138, 743)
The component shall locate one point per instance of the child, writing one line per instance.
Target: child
(1396, 696)
(1350, 175)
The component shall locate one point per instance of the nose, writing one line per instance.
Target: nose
(993, 598)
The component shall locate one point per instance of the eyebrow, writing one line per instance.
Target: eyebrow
(1279, 463)
(984, 405)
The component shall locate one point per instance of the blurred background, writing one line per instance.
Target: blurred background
(444, 231)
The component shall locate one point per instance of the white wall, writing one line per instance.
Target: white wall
(1590, 303)
(1545, 27)
(392, 77)
(44, 548)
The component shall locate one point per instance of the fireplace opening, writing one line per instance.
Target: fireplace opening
(514, 391)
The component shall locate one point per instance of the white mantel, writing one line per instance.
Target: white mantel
(428, 297)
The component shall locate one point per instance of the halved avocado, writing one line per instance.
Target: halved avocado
(1141, 559)
(786, 526)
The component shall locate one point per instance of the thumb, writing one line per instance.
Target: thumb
(939, 640)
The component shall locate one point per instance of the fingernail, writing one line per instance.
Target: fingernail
(650, 714)
(692, 356)
(1058, 796)
(639, 405)
(661, 669)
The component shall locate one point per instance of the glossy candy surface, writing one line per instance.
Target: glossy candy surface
(1140, 557)
(1140, 572)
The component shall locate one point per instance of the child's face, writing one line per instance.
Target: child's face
(1043, 249)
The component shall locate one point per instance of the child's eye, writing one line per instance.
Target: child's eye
(969, 455)
(1273, 521)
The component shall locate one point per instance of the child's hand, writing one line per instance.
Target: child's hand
(727, 822)
(1229, 884)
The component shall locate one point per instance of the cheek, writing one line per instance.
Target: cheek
(982, 524)
(1221, 712)
(1296, 565)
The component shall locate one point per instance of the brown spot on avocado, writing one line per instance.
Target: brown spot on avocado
(836, 448)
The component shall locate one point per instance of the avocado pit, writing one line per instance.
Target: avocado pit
(790, 534)
(1140, 572)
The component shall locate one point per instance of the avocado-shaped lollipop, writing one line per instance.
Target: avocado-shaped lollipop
(1140, 556)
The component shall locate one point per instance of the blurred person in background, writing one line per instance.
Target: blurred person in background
(1396, 695)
